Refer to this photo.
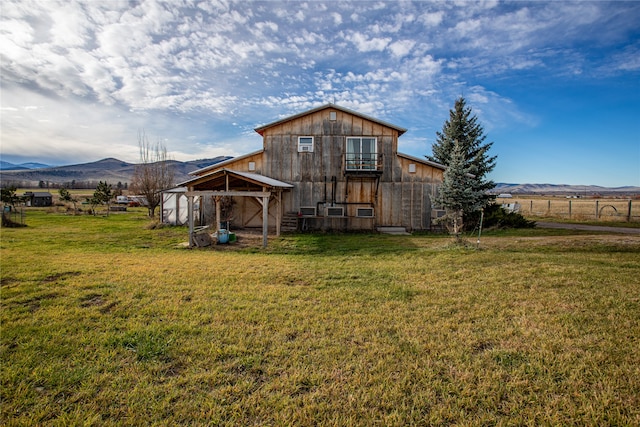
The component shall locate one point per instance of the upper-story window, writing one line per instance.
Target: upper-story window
(361, 153)
(305, 144)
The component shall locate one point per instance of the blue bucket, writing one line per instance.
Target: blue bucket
(223, 236)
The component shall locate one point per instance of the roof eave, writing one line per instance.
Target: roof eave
(261, 129)
(424, 161)
(224, 163)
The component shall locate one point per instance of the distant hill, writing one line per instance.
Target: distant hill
(116, 171)
(561, 189)
(22, 166)
(111, 170)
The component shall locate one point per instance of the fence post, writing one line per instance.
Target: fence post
(569, 208)
(597, 203)
(629, 212)
(531, 208)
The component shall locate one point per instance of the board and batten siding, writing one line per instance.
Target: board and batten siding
(402, 199)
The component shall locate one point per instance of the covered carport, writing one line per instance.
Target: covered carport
(227, 182)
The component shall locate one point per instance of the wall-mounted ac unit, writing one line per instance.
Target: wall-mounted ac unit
(335, 211)
(308, 211)
(364, 212)
(438, 213)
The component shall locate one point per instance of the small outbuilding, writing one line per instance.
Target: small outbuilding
(38, 198)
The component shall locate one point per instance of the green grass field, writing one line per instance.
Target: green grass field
(107, 321)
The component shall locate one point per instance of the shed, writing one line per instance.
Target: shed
(39, 198)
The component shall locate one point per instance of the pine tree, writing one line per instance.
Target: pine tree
(464, 128)
(456, 194)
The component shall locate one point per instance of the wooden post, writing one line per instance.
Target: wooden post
(265, 220)
(218, 199)
(190, 219)
(629, 212)
(278, 212)
(597, 203)
(569, 208)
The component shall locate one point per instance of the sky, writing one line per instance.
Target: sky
(555, 85)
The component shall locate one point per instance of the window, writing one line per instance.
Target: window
(305, 144)
(361, 153)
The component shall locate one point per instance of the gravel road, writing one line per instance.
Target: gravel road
(623, 230)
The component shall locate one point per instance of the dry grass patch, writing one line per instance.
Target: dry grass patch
(317, 329)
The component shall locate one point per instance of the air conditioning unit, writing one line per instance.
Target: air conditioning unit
(438, 213)
(364, 212)
(335, 211)
(308, 211)
(304, 148)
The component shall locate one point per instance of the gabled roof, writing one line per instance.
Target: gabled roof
(223, 163)
(421, 160)
(217, 178)
(261, 129)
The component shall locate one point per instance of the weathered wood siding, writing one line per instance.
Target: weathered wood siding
(399, 197)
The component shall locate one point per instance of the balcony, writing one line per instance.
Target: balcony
(363, 163)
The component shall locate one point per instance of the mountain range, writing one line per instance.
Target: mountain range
(111, 170)
(116, 171)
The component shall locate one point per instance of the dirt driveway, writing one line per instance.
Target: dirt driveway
(603, 228)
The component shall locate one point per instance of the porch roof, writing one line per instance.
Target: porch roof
(230, 180)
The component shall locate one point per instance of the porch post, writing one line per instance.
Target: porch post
(278, 212)
(265, 220)
(218, 212)
(190, 219)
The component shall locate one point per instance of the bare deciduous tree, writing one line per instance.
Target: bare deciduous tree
(153, 174)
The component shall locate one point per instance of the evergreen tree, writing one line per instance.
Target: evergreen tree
(456, 194)
(464, 128)
(66, 196)
(102, 195)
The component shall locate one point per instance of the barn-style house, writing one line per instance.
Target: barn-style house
(328, 168)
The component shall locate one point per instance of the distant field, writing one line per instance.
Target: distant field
(583, 209)
(108, 321)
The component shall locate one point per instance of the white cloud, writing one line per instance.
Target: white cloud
(401, 48)
(431, 19)
(121, 65)
(366, 44)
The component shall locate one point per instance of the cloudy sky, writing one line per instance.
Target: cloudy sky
(556, 85)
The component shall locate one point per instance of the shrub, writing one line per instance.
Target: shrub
(496, 217)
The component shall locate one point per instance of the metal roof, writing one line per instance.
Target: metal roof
(223, 163)
(261, 129)
(256, 178)
(424, 161)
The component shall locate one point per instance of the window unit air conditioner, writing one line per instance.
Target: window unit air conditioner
(438, 213)
(335, 211)
(307, 211)
(364, 212)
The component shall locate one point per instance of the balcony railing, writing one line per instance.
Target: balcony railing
(363, 162)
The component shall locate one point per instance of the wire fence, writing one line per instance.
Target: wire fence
(11, 216)
(577, 209)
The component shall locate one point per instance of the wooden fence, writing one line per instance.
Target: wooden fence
(578, 209)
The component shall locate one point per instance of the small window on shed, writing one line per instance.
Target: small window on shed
(305, 144)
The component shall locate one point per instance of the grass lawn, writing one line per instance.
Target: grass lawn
(106, 321)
